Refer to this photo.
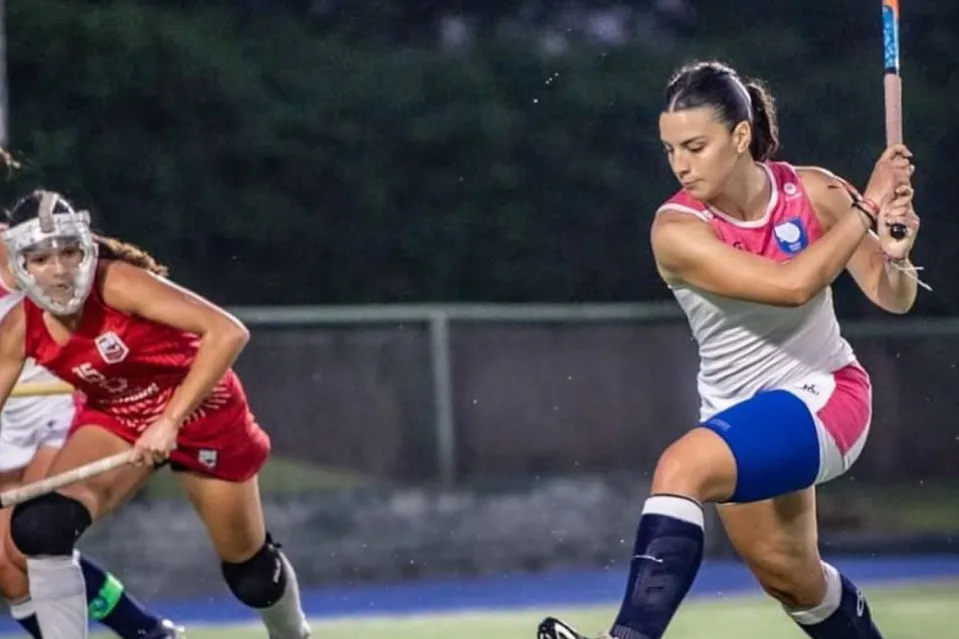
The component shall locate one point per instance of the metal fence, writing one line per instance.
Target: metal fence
(485, 422)
(416, 393)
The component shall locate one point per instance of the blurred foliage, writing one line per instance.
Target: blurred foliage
(274, 158)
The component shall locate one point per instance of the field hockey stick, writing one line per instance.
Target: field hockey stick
(35, 489)
(893, 85)
(41, 389)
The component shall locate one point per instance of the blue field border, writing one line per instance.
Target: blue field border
(551, 589)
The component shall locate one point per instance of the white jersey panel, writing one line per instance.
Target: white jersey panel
(745, 347)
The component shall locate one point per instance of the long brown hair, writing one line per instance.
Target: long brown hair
(113, 249)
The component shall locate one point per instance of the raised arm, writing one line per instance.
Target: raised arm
(880, 272)
(135, 291)
(12, 330)
(687, 250)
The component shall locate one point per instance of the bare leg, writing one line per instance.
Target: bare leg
(258, 574)
(778, 539)
(46, 530)
(13, 569)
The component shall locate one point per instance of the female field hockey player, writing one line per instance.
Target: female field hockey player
(32, 430)
(750, 248)
(154, 362)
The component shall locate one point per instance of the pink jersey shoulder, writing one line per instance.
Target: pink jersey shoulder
(788, 227)
(686, 203)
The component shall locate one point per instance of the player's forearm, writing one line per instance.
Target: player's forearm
(895, 290)
(818, 266)
(217, 353)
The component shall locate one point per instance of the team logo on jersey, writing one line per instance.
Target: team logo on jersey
(207, 457)
(791, 236)
(791, 190)
(111, 348)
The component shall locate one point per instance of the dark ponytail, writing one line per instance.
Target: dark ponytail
(718, 86)
(765, 127)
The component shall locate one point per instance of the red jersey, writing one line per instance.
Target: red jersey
(129, 367)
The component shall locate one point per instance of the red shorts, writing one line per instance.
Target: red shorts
(225, 444)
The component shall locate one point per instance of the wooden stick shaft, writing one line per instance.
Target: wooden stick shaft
(36, 489)
(41, 389)
(893, 101)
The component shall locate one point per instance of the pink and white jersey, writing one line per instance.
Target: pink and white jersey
(746, 347)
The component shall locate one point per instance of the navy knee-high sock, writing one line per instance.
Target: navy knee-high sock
(24, 614)
(112, 606)
(843, 613)
(31, 625)
(666, 558)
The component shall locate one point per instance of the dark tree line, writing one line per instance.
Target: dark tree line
(272, 160)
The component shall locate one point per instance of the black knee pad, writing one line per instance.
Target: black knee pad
(260, 581)
(48, 525)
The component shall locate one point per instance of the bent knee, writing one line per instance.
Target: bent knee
(48, 525)
(699, 465)
(10, 553)
(795, 588)
(13, 576)
(260, 581)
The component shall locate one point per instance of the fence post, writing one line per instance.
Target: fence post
(443, 418)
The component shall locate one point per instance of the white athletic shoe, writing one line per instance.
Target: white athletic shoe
(169, 630)
(553, 628)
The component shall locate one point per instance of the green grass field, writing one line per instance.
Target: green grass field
(903, 613)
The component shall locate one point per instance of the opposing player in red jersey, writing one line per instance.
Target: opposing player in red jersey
(32, 430)
(155, 364)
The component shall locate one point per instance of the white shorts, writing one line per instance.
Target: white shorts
(28, 423)
(841, 405)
